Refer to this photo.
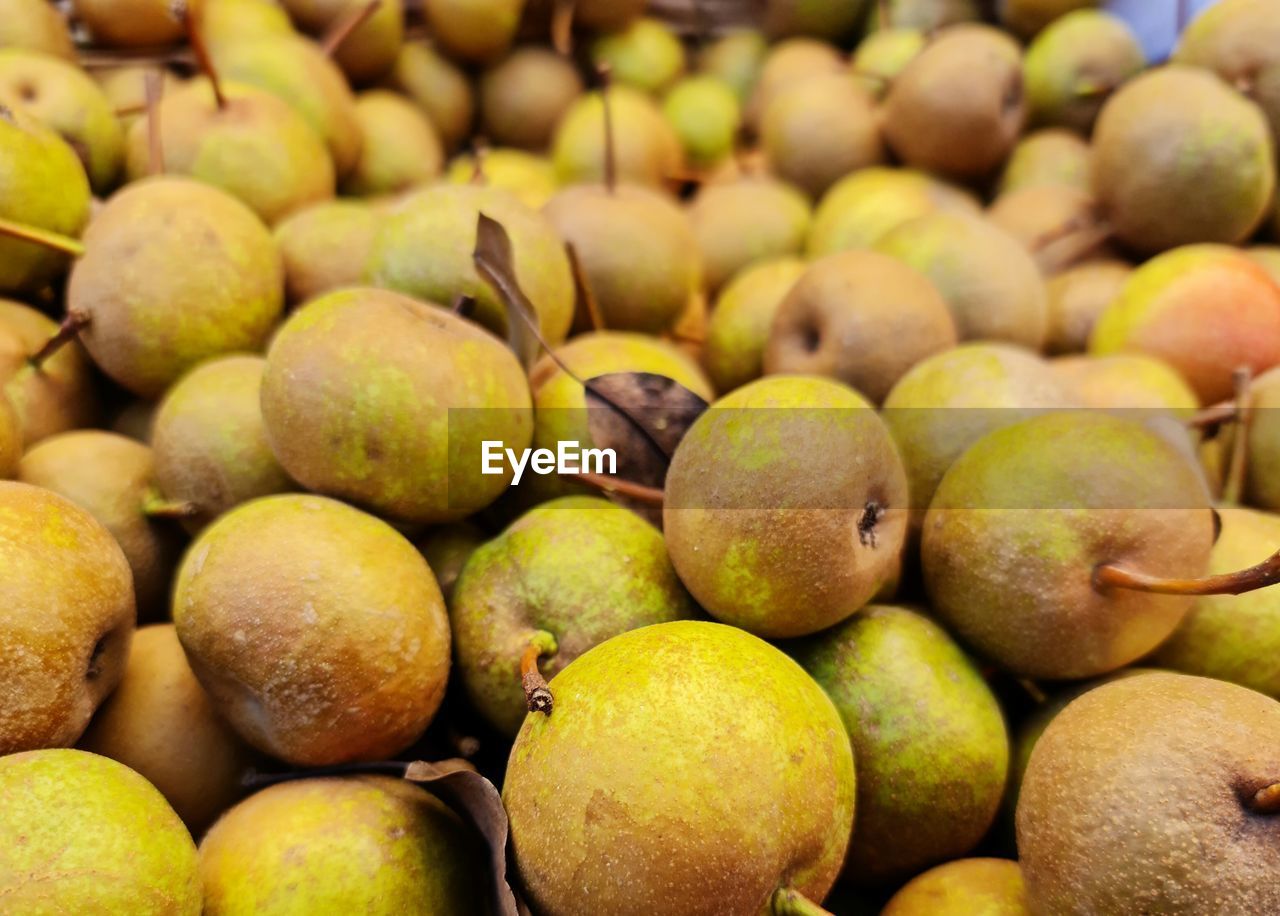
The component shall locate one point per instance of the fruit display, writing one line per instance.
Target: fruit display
(610, 457)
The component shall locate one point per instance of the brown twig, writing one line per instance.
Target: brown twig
(1263, 575)
(639, 492)
(156, 506)
(153, 85)
(1213, 416)
(1237, 464)
(562, 27)
(195, 37)
(610, 151)
(37, 236)
(537, 695)
(343, 27)
(71, 326)
(585, 293)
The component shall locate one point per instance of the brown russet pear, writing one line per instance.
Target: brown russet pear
(523, 97)
(325, 247)
(129, 23)
(744, 221)
(1127, 826)
(1077, 298)
(365, 54)
(438, 87)
(67, 621)
(400, 149)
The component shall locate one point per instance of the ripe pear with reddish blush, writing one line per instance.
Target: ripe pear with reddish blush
(1126, 381)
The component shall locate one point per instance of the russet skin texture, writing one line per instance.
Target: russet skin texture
(68, 615)
(59, 396)
(380, 400)
(1077, 298)
(965, 887)
(765, 499)
(725, 775)
(580, 569)
(1049, 156)
(1022, 519)
(84, 834)
(149, 322)
(325, 247)
(738, 223)
(162, 724)
(1157, 822)
(401, 147)
(318, 631)
(927, 733)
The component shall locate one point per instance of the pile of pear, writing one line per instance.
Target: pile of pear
(954, 599)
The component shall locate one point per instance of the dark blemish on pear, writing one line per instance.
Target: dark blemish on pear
(95, 657)
(872, 512)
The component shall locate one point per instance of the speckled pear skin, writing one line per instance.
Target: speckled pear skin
(1022, 519)
(318, 630)
(927, 733)
(325, 247)
(738, 331)
(1204, 309)
(378, 399)
(1077, 298)
(258, 149)
(68, 617)
(61, 395)
(1050, 156)
(764, 502)
(1073, 64)
(1133, 801)
(688, 768)
(45, 186)
(581, 569)
(647, 150)
(210, 442)
(443, 219)
(84, 834)
(965, 887)
(175, 272)
(288, 851)
(112, 477)
(1237, 638)
(1263, 487)
(738, 223)
(1219, 186)
(69, 102)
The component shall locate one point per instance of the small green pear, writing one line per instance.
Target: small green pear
(438, 87)
(883, 54)
(1262, 489)
(646, 149)
(706, 116)
(475, 31)
(735, 58)
(646, 55)
(742, 318)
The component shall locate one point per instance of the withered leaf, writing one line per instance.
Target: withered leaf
(496, 265)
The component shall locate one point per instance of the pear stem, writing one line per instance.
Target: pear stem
(255, 779)
(886, 15)
(588, 297)
(639, 492)
(562, 27)
(156, 506)
(1233, 488)
(73, 324)
(1263, 575)
(344, 26)
(610, 152)
(37, 236)
(154, 87)
(480, 153)
(1266, 800)
(1213, 416)
(537, 695)
(203, 61)
(789, 902)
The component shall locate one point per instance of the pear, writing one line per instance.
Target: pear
(735, 58)
(447, 549)
(210, 442)
(645, 55)
(523, 97)
(282, 849)
(10, 440)
(36, 26)
(56, 396)
(646, 149)
(368, 53)
(816, 131)
(740, 322)
(1229, 638)
(175, 271)
(607, 15)
(69, 615)
(861, 317)
(473, 30)
(251, 144)
(442, 219)
(406, 391)
(742, 222)
(1074, 64)
(957, 109)
(948, 402)
(1077, 297)
(125, 88)
(928, 737)
(1070, 590)
(1096, 829)
(85, 834)
(1264, 442)
(1027, 18)
(567, 576)
(160, 723)
(1267, 257)
(438, 87)
(68, 101)
(881, 57)
(637, 251)
(1050, 156)
(325, 247)
(791, 61)
(786, 467)
(1235, 38)
(925, 15)
(991, 283)
(833, 21)
(1204, 309)
(706, 115)
(992, 887)
(1058, 225)
(863, 207)
(687, 831)
(400, 147)
(42, 185)
(302, 75)
(350, 664)
(1126, 381)
(111, 478)
(1218, 189)
(223, 21)
(129, 23)
(530, 178)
